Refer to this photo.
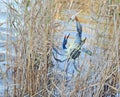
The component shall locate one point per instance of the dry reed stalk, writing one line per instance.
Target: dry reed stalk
(36, 25)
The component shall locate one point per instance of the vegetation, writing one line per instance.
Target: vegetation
(36, 26)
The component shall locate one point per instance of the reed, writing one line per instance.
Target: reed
(36, 26)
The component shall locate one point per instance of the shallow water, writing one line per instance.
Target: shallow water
(60, 67)
(83, 58)
(3, 17)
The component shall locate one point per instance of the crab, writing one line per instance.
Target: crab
(74, 50)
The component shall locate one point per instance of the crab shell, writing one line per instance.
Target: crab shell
(75, 53)
(74, 50)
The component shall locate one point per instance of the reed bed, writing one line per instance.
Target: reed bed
(35, 25)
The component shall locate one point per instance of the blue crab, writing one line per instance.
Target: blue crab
(74, 50)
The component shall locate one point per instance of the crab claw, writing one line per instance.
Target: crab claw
(83, 41)
(65, 41)
(76, 18)
(79, 28)
(67, 36)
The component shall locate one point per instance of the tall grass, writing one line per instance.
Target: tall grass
(35, 24)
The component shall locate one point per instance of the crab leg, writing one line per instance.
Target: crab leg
(58, 59)
(75, 67)
(68, 61)
(57, 51)
(86, 51)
